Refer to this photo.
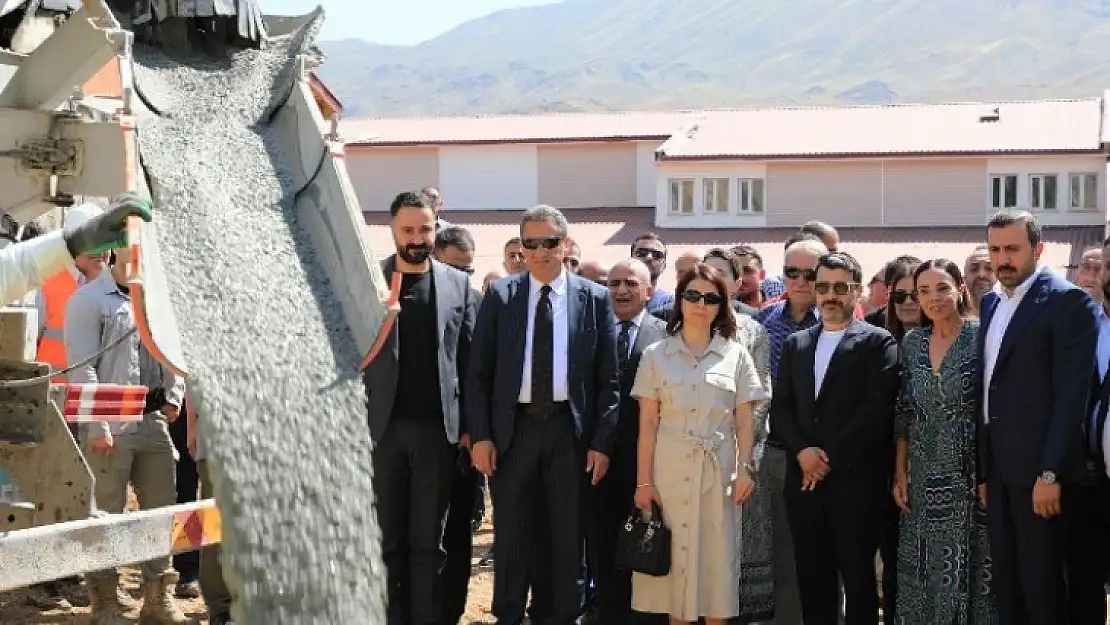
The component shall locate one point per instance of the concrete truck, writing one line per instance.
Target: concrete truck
(69, 110)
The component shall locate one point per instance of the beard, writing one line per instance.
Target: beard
(834, 312)
(414, 254)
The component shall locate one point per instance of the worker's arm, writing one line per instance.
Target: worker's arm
(25, 266)
(83, 329)
(174, 386)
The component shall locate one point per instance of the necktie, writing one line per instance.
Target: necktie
(543, 346)
(623, 340)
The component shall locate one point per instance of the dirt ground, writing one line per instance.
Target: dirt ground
(15, 611)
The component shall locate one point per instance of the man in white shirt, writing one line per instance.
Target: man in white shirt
(541, 398)
(1037, 342)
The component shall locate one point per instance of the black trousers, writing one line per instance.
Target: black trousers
(889, 518)
(1027, 556)
(544, 463)
(187, 564)
(414, 467)
(458, 540)
(1089, 549)
(835, 539)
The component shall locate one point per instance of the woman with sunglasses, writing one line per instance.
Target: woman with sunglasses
(943, 558)
(697, 390)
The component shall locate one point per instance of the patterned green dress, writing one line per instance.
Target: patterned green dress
(944, 568)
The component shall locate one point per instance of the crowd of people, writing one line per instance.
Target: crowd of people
(922, 445)
(925, 444)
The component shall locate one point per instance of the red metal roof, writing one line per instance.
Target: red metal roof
(606, 234)
(484, 129)
(1056, 126)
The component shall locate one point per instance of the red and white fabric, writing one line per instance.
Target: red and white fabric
(104, 402)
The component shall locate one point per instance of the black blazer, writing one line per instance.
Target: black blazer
(851, 417)
(1037, 400)
(497, 362)
(455, 312)
(623, 465)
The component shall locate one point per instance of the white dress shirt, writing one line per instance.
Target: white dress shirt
(996, 332)
(822, 356)
(560, 354)
(633, 330)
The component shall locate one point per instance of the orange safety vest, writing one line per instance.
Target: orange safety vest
(52, 347)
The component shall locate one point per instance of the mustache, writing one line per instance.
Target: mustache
(1006, 268)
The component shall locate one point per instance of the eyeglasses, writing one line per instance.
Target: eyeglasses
(571, 262)
(839, 288)
(900, 296)
(645, 253)
(616, 283)
(547, 243)
(710, 299)
(793, 273)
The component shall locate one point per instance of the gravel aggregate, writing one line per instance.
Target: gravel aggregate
(271, 358)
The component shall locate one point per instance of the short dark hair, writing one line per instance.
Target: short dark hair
(725, 322)
(841, 260)
(802, 236)
(455, 236)
(409, 199)
(513, 241)
(647, 236)
(748, 250)
(1006, 218)
(728, 257)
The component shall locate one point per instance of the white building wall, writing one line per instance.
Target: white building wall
(489, 177)
(646, 182)
(696, 171)
(1063, 167)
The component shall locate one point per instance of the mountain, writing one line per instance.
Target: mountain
(580, 55)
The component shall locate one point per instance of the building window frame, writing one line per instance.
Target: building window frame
(1086, 200)
(676, 194)
(751, 196)
(1003, 194)
(1042, 198)
(712, 201)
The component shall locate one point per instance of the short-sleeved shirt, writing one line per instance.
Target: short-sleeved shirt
(670, 374)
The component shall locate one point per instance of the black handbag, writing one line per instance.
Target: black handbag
(644, 546)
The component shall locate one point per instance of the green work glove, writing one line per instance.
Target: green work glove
(108, 230)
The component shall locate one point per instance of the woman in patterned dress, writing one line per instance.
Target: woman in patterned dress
(696, 391)
(943, 558)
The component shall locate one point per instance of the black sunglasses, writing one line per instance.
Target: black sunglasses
(548, 243)
(839, 288)
(710, 299)
(644, 252)
(900, 297)
(809, 275)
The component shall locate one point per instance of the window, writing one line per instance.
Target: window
(1042, 192)
(751, 195)
(682, 197)
(715, 194)
(1084, 191)
(1004, 191)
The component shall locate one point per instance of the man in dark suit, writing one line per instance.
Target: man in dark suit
(542, 410)
(416, 431)
(611, 501)
(1037, 343)
(831, 409)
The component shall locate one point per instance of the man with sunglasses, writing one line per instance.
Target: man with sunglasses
(833, 393)
(650, 250)
(542, 400)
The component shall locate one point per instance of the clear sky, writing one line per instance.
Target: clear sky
(405, 22)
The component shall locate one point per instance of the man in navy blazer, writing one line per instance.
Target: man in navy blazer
(1037, 342)
(542, 400)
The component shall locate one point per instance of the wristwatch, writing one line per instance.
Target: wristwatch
(1048, 477)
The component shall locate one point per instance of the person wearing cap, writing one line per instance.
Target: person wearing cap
(28, 265)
